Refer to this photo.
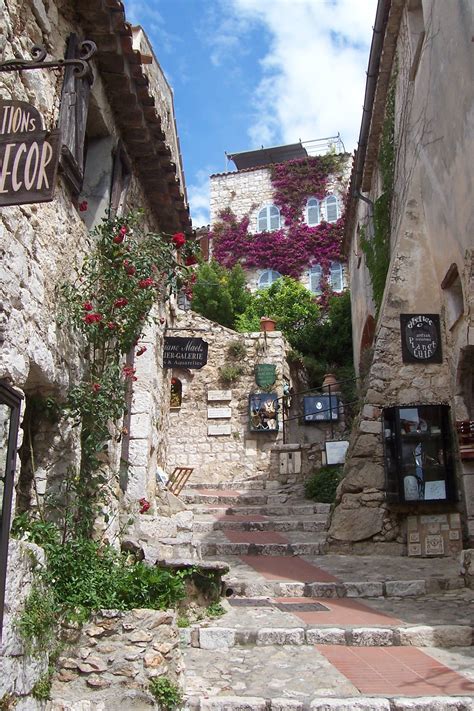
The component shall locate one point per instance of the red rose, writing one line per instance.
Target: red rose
(118, 239)
(141, 350)
(179, 239)
(87, 306)
(144, 505)
(145, 283)
(92, 318)
(96, 387)
(190, 261)
(119, 303)
(129, 372)
(111, 325)
(83, 206)
(131, 270)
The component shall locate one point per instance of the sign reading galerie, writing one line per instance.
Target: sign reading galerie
(28, 155)
(184, 353)
(421, 338)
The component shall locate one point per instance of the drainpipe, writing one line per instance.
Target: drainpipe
(381, 17)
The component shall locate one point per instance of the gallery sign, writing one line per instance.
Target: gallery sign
(421, 338)
(184, 353)
(28, 155)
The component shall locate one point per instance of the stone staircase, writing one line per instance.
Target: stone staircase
(307, 630)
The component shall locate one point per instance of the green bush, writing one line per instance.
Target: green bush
(323, 484)
(166, 692)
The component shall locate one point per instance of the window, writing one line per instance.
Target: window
(336, 277)
(331, 208)
(72, 120)
(315, 274)
(454, 299)
(312, 212)
(268, 219)
(176, 395)
(267, 278)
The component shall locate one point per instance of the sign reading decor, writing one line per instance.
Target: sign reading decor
(184, 353)
(28, 155)
(421, 338)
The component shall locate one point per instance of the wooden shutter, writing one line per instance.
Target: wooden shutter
(72, 120)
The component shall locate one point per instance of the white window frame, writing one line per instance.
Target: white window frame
(267, 278)
(265, 215)
(315, 275)
(332, 200)
(314, 204)
(336, 274)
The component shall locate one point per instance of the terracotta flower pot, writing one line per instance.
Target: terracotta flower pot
(267, 324)
(330, 380)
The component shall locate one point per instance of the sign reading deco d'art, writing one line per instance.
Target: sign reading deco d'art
(28, 155)
(421, 338)
(184, 353)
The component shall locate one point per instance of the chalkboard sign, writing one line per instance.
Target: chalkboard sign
(320, 408)
(421, 338)
(265, 374)
(28, 155)
(184, 353)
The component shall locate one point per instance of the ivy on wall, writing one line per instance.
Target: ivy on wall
(292, 249)
(377, 247)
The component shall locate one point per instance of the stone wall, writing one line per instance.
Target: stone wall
(431, 230)
(212, 435)
(112, 659)
(19, 672)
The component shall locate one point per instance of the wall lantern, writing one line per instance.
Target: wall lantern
(10, 401)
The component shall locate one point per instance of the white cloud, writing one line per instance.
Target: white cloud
(314, 71)
(198, 196)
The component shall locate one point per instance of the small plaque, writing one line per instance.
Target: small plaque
(265, 375)
(217, 430)
(414, 538)
(219, 395)
(216, 413)
(336, 451)
(434, 545)
(414, 549)
(320, 408)
(421, 338)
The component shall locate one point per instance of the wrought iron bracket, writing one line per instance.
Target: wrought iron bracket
(87, 49)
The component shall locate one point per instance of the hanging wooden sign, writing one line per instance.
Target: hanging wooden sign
(184, 353)
(28, 155)
(421, 338)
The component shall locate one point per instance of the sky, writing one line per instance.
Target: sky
(252, 73)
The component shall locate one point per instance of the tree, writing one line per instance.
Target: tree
(220, 294)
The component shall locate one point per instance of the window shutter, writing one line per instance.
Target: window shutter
(331, 208)
(315, 279)
(335, 277)
(72, 120)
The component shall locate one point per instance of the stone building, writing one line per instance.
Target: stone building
(409, 242)
(113, 129)
(279, 197)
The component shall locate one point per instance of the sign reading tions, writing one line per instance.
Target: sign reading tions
(184, 353)
(28, 155)
(421, 338)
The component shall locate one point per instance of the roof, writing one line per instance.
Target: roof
(266, 156)
(121, 68)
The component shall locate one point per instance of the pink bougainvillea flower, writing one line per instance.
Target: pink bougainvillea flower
(92, 318)
(96, 387)
(87, 306)
(179, 239)
(145, 283)
(144, 505)
(119, 303)
(83, 206)
(111, 325)
(141, 350)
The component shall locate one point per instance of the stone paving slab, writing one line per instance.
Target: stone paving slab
(294, 672)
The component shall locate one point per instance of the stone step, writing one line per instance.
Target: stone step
(316, 522)
(332, 703)
(292, 508)
(237, 498)
(443, 636)
(211, 548)
(356, 589)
